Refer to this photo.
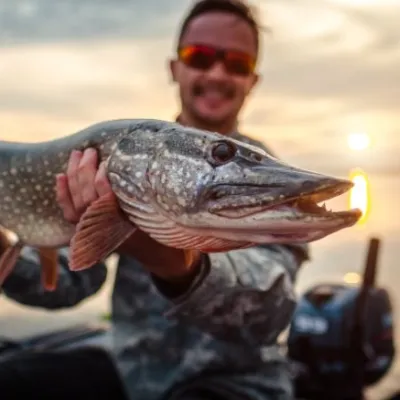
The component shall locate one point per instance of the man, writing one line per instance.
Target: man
(226, 310)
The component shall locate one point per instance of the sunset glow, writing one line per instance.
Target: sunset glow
(358, 141)
(359, 194)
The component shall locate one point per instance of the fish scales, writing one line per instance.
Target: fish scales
(185, 187)
(27, 179)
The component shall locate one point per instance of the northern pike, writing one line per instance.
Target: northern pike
(185, 187)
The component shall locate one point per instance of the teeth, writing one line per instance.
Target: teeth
(324, 208)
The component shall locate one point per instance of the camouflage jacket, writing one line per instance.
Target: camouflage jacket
(228, 320)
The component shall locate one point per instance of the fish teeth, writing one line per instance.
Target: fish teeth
(325, 208)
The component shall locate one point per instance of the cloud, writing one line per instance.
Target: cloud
(328, 69)
(46, 21)
(81, 83)
(339, 53)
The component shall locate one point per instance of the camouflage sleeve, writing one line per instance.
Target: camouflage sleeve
(243, 296)
(24, 285)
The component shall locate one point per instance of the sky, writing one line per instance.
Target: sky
(329, 68)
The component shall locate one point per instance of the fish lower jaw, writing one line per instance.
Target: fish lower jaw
(269, 236)
(281, 225)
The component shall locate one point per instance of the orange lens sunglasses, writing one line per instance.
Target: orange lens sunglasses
(204, 57)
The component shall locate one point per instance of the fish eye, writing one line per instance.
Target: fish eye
(222, 152)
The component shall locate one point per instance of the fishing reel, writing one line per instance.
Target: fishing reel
(341, 337)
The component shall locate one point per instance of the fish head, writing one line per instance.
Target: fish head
(213, 185)
(167, 170)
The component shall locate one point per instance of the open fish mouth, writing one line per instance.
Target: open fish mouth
(238, 202)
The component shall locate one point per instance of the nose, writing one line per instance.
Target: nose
(217, 71)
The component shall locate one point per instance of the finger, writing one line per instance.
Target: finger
(64, 199)
(73, 182)
(86, 176)
(102, 184)
(4, 241)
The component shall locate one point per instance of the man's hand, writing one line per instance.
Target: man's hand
(4, 241)
(83, 183)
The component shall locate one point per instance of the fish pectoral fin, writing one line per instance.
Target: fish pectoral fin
(8, 260)
(101, 229)
(49, 262)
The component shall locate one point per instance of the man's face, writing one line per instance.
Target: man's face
(212, 93)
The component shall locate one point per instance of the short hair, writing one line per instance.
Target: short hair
(237, 7)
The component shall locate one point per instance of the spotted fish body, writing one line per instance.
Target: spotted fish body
(185, 187)
(27, 179)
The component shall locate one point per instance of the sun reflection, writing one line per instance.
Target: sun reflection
(359, 194)
(352, 278)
